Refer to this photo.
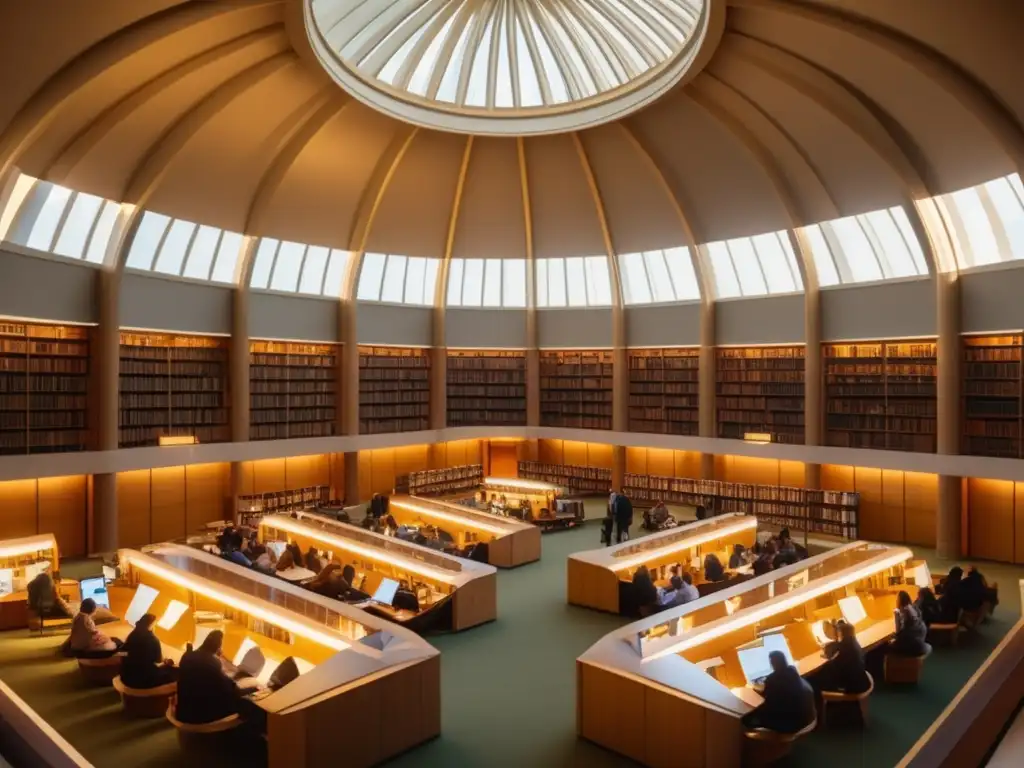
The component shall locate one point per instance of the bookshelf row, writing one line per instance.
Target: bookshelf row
(442, 482)
(881, 395)
(44, 376)
(829, 512)
(663, 389)
(291, 390)
(576, 389)
(394, 390)
(586, 480)
(761, 390)
(250, 508)
(992, 392)
(486, 388)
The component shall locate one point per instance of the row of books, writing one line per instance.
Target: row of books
(129, 385)
(386, 374)
(384, 425)
(375, 397)
(54, 383)
(161, 400)
(43, 402)
(179, 417)
(394, 411)
(988, 428)
(46, 441)
(291, 430)
(394, 363)
(170, 368)
(653, 401)
(290, 388)
(762, 417)
(29, 365)
(576, 478)
(325, 400)
(465, 417)
(250, 508)
(42, 419)
(290, 373)
(292, 416)
(30, 348)
(490, 390)
(441, 482)
(484, 403)
(992, 408)
(486, 377)
(764, 402)
(486, 362)
(663, 426)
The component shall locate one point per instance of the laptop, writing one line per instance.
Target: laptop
(386, 592)
(755, 664)
(853, 610)
(96, 588)
(277, 547)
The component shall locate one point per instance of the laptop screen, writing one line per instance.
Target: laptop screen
(754, 662)
(386, 591)
(277, 547)
(853, 610)
(96, 588)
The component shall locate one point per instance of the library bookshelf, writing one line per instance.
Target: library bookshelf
(170, 386)
(992, 393)
(486, 388)
(760, 389)
(585, 480)
(44, 375)
(881, 395)
(291, 390)
(834, 513)
(663, 391)
(451, 481)
(394, 390)
(576, 389)
(250, 508)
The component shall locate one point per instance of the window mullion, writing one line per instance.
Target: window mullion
(188, 249)
(273, 265)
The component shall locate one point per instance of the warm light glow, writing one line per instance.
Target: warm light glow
(256, 610)
(175, 610)
(526, 485)
(171, 440)
(743, 524)
(754, 614)
(296, 527)
(451, 517)
(27, 545)
(761, 438)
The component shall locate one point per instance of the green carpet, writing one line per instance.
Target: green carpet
(509, 687)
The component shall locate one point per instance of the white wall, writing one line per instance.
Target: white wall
(485, 328)
(666, 325)
(992, 299)
(393, 324)
(295, 318)
(170, 304)
(46, 288)
(576, 328)
(765, 320)
(891, 310)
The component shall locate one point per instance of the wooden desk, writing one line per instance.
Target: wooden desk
(14, 607)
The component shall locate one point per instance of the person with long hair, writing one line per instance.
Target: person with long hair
(845, 671)
(910, 629)
(205, 693)
(713, 570)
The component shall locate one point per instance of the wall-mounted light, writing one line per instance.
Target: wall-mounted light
(170, 440)
(758, 438)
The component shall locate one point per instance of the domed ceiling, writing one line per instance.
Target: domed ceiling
(220, 112)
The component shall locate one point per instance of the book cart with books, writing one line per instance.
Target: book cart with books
(576, 389)
(291, 390)
(834, 513)
(451, 481)
(173, 386)
(394, 390)
(760, 390)
(486, 388)
(881, 395)
(663, 391)
(44, 375)
(992, 395)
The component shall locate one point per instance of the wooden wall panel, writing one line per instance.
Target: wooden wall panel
(167, 491)
(791, 473)
(62, 511)
(207, 488)
(458, 453)
(636, 461)
(599, 455)
(991, 519)
(247, 477)
(382, 471)
(504, 460)
(133, 508)
(574, 453)
(894, 514)
(412, 458)
(269, 475)
(365, 465)
(687, 463)
(18, 508)
(474, 452)
(835, 477)
(921, 496)
(659, 462)
(337, 475)
(868, 483)
(743, 469)
(1018, 523)
(549, 451)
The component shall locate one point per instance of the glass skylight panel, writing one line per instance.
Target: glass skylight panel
(102, 232)
(988, 221)
(579, 281)
(393, 287)
(727, 284)
(287, 267)
(636, 289)
(857, 251)
(778, 262)
(488, 57)
(492, 283)
(204, 249)
(415, 274)
(77, 225)
(45, 228)
(473, 283)
(486, 283)
(661, 276)
(823, 262)
(455, 272)
(684, 279)
(370, 276)
(576, 282)
(171, 257)
(334, 277)
(1007, 197)
(225, 266)
(397, 279)
(148, 237)
(185, 249)
(312, 279)
(541, 273)
(263, 263)
(599, 286)
(513, 282)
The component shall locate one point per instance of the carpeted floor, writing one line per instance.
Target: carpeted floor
(509, 687)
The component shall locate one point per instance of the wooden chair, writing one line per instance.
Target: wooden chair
(205, 736)
(904, 669)
(950, 633)
(145, 702)
(36, 623)
(837, 697)
(764, 747)
(100, 671)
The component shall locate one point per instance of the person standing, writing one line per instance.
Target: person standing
(623, 511)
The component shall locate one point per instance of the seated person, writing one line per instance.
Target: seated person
(43, 598)
(205, 693)
(325, 583)
(785, 541)
(738, 557)
(236, 556)
(782, 559)
(975, 591)
(687, 592)
(788, 704)
(144, 665)
(845, 671)
(85, 640)
(252, 547)
(669, 596)
(713, 570)
(313, 561)
(929, 607)
(765, 561)
(951, 595)
(645, 594)
(287, 560)
(405, 599)
(266, 562)
(910, 629)
(370, 522)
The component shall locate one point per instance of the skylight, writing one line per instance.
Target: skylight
(487, 283)
(988, 222)
(281, 265)
(754, 266)
(656, 277)
(506, 60)
(397, 279)
(580, 281)
(185, 249)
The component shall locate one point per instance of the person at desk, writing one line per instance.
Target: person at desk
(669, 596)
(644, 592)
(788, 704)
(326, 582)
(765, 561)
(738, 557)
(951, 595)
(43, 598)
(713, 570)
(85, 640)
(845, 671)
(266, 562)
(205, 693)
(286, 561)
(975, 591)
(910, 629)
(928, 606)
(313, 561)
(144, 665)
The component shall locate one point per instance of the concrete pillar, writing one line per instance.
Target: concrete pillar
(814, 382)
(106, 361)
(706, 386)
(438, 387)
(238, 353)
(618, 466)
(948, 514)
(352, 478)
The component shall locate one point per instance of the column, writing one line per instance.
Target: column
(618, 466)
(948, 514)
(347, 409)
(352, 478)
(106, 354)
(706, 385)
(238, 352)
(814, 382)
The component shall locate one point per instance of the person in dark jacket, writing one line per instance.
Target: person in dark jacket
(951, 595)
(205, 693)
(737, 559)
(910, 629)
(144, 665)
(622, 507)
(975, 591)
(43, 598)
(929, 607)
(845, 671)
(644, 591)
(713, 570)
(788, 704)
(766, 559)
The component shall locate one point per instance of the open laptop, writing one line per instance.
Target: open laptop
(853, 610)
(96, 588)
(277, 547)
(386, 592)
(755, 665)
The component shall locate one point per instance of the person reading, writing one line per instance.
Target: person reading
(85, 640)
(845, 671)
(645, 594)
(910, 629)
(951, 595)
(205, 693)
(144, 665)
(788, 704)
(929, 607)
(738, 557)
(713, 570)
